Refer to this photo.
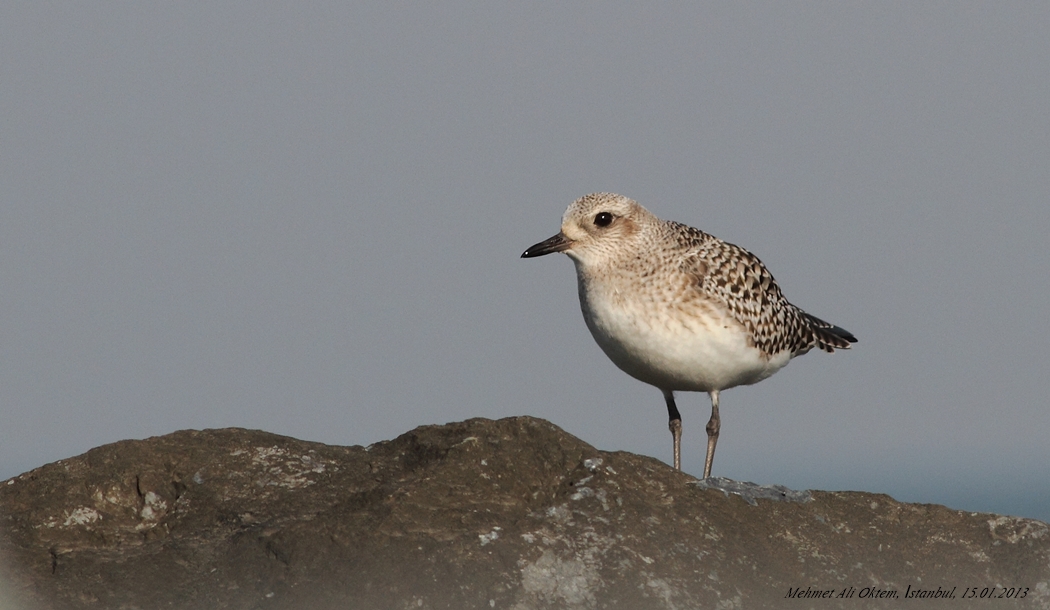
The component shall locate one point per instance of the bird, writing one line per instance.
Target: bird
(679, 309)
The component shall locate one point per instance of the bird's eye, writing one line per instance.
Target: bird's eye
(603, 219)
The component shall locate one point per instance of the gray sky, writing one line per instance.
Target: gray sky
(306, 218)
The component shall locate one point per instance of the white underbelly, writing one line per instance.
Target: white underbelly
(698, 350)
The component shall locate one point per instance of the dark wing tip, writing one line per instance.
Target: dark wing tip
(829, 336)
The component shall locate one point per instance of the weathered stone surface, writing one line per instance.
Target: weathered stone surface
(511, 514)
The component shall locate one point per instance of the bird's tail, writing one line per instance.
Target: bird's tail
(829, 337)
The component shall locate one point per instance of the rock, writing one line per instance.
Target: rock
(512, 514)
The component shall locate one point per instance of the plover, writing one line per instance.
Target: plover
(680, 309)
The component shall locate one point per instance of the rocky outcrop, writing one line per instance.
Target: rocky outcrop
(510, 514)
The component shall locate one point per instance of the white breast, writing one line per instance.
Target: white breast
(692, 346)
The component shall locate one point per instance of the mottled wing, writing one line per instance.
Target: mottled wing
(737, 279)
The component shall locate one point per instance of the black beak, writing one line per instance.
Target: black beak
(558, 243)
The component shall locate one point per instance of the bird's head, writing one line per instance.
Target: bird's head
(595, 228)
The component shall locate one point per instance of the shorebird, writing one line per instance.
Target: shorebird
(680, 309)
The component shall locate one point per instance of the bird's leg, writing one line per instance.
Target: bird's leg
(674, 423)
(713, 426)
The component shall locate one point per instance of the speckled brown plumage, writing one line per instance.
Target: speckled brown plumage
(738, 281)
(680, 309)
